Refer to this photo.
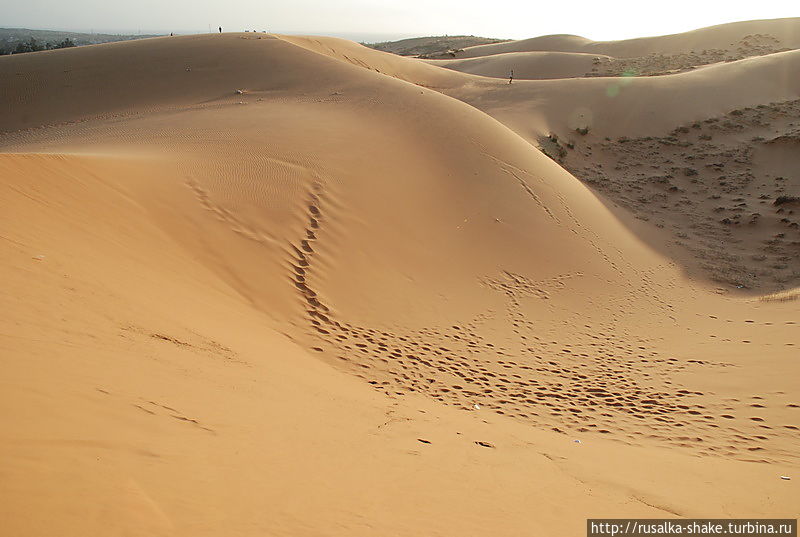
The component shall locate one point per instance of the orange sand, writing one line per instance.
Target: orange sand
(354, 298)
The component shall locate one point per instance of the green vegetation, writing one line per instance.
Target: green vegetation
(32, 45)
(21, 40)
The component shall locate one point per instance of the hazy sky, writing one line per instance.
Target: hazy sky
(376, 19)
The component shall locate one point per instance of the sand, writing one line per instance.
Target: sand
(533, 65)
(262, 284)
(781, 33)
(569, 56)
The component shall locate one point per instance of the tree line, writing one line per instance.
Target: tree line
(32, 45)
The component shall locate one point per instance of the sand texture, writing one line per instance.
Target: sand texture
(275, 285)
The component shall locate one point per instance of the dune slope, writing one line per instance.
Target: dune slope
(745, 37)
(535, 65)
(586, 124)
(567, 56)
(239, 312)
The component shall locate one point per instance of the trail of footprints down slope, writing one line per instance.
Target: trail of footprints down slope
(586, 387)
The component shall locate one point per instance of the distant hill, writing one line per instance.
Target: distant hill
(11, 37)
(433, 45)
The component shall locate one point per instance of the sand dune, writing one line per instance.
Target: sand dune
(562, 56)
(526, 65)
(578, 121)
(268, 284)
(769, 33)
(636, 106)
(633, 106)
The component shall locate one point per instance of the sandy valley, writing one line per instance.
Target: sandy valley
(259, 284)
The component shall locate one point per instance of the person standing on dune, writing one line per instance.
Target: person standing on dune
(511, 77)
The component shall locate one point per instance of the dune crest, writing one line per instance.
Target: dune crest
(744, 37)
(291, 285)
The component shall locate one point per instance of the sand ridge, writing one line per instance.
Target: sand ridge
(560, 115)
(748, 36)
(309, 280)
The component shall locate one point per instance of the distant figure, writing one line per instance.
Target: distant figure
(511, 77)
(220, 29)
(170, 34)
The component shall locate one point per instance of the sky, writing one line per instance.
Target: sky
(380, 20)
